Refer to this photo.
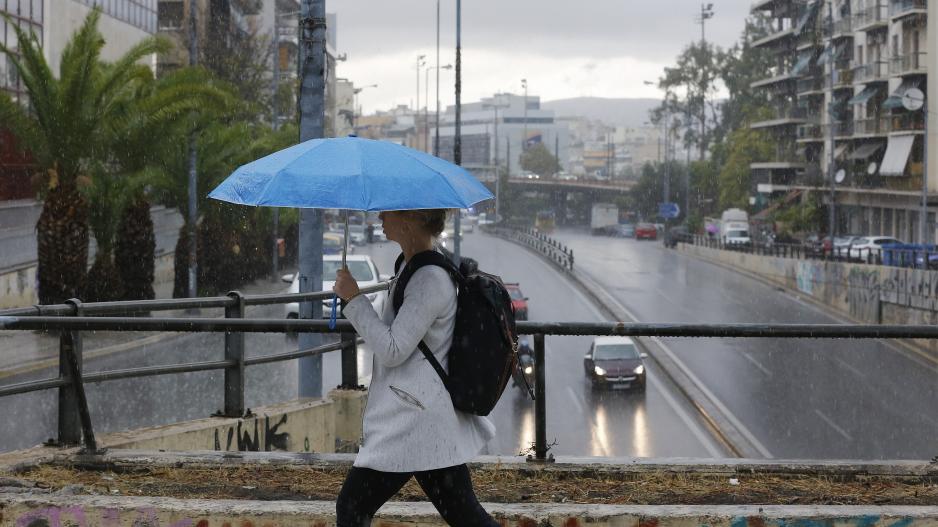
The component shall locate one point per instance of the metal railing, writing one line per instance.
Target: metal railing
(557, 253)
(900, 7)
(872, 15)
(908, 63)
(872, 126)
(71, 383)
(908, 122)
(871, 71)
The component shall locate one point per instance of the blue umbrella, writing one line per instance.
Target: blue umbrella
(352, 173)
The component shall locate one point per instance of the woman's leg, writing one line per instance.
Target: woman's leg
(450, 490)
(363, 493)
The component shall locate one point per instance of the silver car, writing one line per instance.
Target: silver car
(362, 268)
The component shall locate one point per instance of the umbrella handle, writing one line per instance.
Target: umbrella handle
(335, 300)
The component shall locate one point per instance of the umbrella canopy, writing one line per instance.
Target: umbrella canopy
(352, 173)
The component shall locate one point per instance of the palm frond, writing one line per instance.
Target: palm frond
(15, 118)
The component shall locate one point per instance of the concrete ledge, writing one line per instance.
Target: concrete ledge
(31, 509)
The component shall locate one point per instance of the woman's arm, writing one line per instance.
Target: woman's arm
(430, 292)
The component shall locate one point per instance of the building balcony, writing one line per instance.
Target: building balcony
(909, 64)
(810, 86)
(810, 133)
(775, 33)
(248, 7)
(872, 126)
(905, 8)
(843, 27)
(877, 71)
(841, 130)
(872, 18)
(785, 116)
(910, 122)
(843, 77)
(762, 5)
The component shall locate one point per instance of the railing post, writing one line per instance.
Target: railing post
(349, 362)
(570, 258)
(540, 401)
(74, 416)
(234, 350)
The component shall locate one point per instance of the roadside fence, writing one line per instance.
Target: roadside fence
(558, 254)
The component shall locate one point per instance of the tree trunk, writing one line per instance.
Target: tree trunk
(104, 282)
(181, 264)
(135, 250)
(62, 245)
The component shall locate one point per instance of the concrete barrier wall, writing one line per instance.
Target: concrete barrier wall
(109, 511)
(319, 425)
(873, 294)
(18, 285)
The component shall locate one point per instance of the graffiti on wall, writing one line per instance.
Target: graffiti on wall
(109, 517)
(806, 276)
(863, 294)
(910, 288)
(239, 437)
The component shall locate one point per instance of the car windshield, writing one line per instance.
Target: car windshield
(515, 293)
(737, 234)
(615, 352)
(360, 269)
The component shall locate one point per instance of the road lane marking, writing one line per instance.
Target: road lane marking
(833, 425)
(695, 429)
(683, 367)
(847, 365)
(756, 363)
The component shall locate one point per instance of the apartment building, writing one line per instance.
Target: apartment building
(841, 129)
(123, 23)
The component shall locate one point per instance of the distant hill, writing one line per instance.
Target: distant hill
(623, 112)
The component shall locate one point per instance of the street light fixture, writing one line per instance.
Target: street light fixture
(420, 64)
(706, 13)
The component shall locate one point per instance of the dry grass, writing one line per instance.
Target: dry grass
(498, 484)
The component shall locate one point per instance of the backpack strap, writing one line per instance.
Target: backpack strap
(403, 276)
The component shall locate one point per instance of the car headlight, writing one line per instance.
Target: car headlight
(528, 370)
(640, 369)
(599, 371)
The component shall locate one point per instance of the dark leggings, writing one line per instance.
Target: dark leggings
(450, 490)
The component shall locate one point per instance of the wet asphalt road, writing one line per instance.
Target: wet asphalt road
(658, 423)
(802, 398)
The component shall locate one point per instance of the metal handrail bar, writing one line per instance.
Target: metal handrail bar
(275, 325)
(32, 386)
(147, 371)
(139, 306)
(290, 355)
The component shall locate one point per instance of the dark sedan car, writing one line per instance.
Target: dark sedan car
(519, 302)
(615, 362)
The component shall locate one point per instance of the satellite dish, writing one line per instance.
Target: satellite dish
(840, 176)
(913, 99)
(871, 168)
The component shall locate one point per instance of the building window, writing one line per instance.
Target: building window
(141, 14)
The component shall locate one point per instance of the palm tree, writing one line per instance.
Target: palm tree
(71, 128)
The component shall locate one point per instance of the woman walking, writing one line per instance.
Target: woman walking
(410, 426)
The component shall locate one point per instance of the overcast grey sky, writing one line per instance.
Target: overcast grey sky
(601, 48)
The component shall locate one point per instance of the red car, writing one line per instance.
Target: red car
(646, 231)
(519, 302)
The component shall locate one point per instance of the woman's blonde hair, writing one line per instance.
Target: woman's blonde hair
(430, 220)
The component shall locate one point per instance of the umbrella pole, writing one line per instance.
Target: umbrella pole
(345, 245)
(335, 298)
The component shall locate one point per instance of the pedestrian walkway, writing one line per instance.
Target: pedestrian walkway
(25, 351)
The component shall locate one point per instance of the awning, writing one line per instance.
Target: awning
(897, 155)
(895, 98)
(808, 16)
(826, 54)
(839, 151)
(864, 95)
(865, 151)
(803, 62)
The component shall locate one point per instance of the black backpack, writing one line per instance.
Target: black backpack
(483, 353)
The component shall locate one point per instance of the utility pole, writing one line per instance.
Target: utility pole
(193, 162)
(420, 63)
(832, 213)
(498, 183)
(557, 150)
(436, 136)
(274, 124)
(706, 13)
(457, 138)
(312, 67)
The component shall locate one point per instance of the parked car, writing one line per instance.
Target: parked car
(870, 245)
(356, 234)
(615, 362)
(816, 245)
(362, 268)
(625, 230)
(519, 302)
(646, 231)
(332, 243)
(377, 234)
(842, 244)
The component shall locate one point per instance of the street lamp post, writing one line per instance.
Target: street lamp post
(498, 182)
(426, 106)
(355, 93)
(436, 137)
(420, 63)
(524, 140)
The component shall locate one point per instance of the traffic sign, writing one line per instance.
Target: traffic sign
(669, 210)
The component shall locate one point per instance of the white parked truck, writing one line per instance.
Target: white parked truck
(604, 218)
(734, 227)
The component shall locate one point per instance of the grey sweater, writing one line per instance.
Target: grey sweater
(410, 423)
